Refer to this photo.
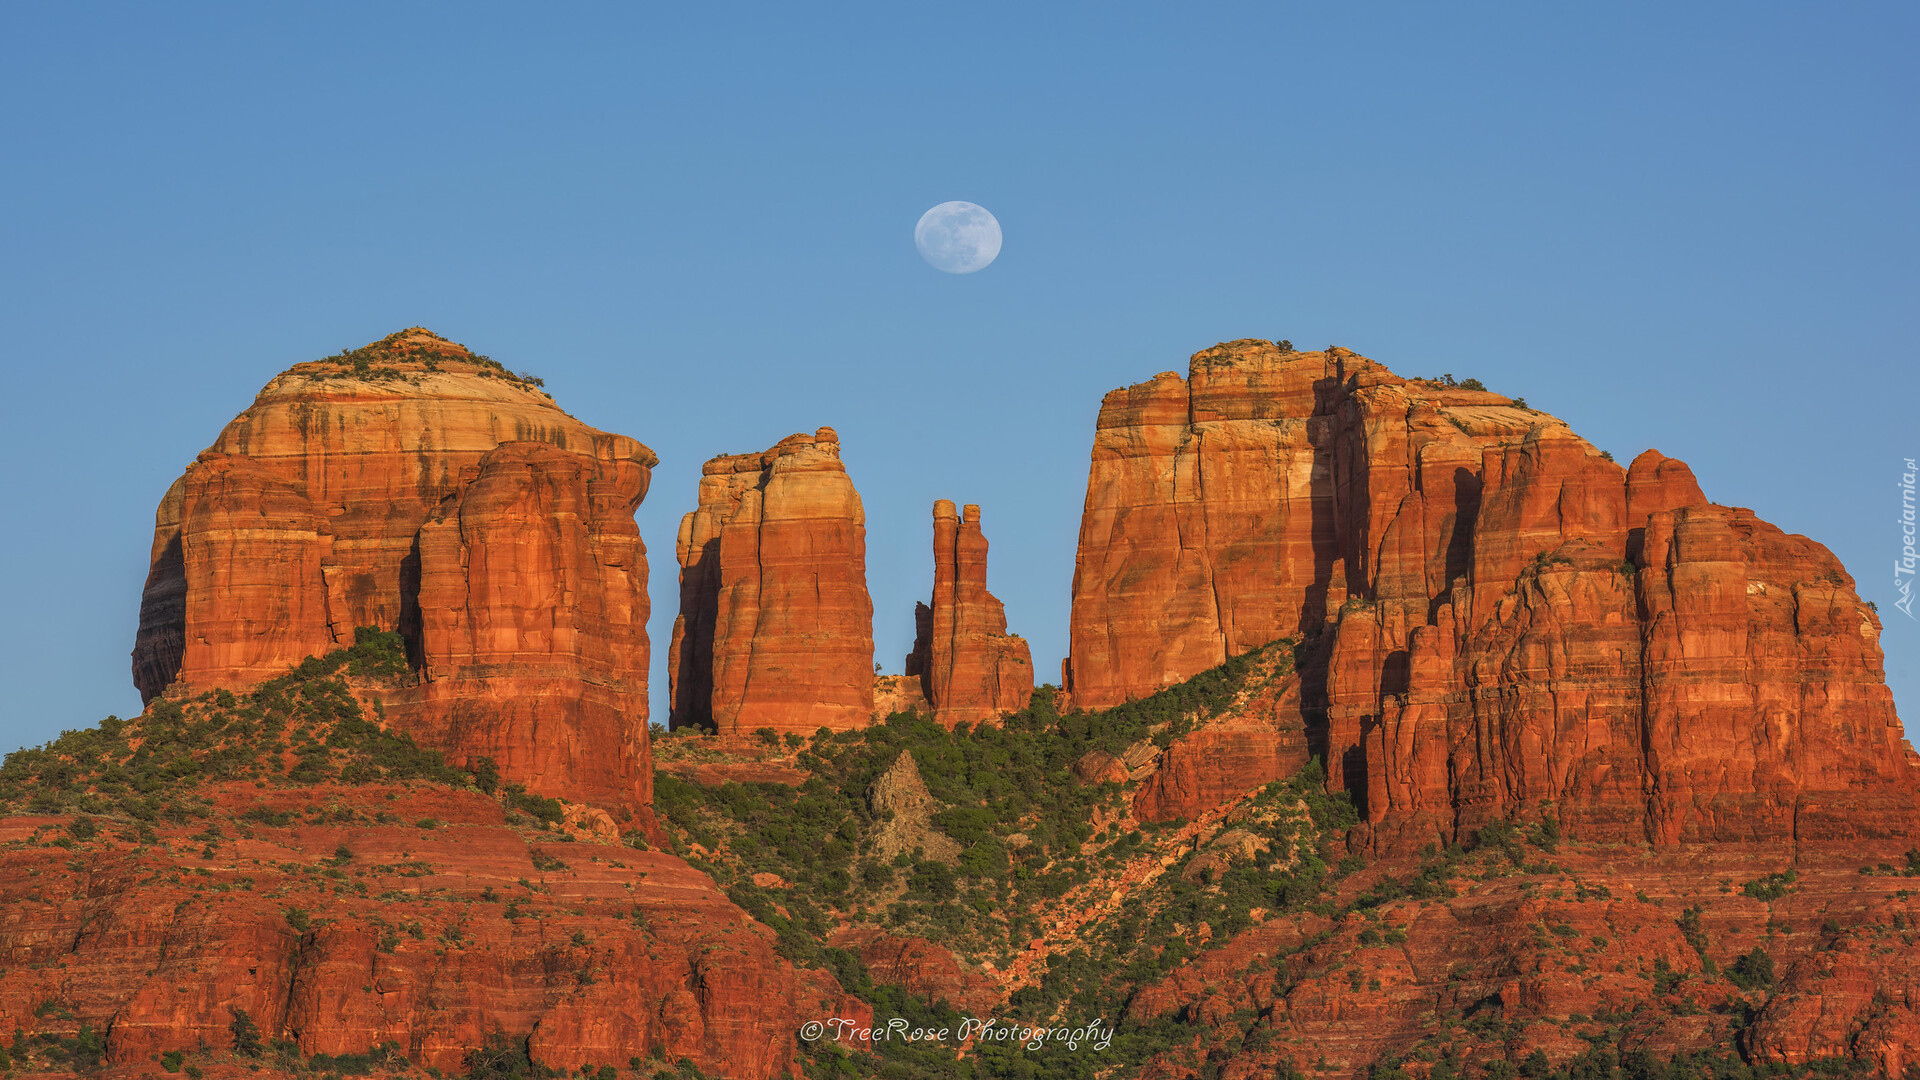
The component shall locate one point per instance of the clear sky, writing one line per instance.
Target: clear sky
(1691, 227)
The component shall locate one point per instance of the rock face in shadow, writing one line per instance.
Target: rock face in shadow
(971, 669)
(414, 486)
(1496, 619)
(776, 626)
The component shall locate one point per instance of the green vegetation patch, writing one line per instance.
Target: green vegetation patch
(304, 727)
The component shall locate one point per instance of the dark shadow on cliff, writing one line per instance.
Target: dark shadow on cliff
(161, 640)
(692, 704)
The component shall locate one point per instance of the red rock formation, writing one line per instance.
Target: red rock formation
(1259, 740)
(921, 968)
(775, 627)
(900, 693)
(972, 669)
(414, 486)
(533, 607)
(256, 547)
(1767, 711)
(592, 953)
(1550, 951)
(1501, 621)
(1198, 541)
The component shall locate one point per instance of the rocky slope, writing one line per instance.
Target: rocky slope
(775, 627)
(281, 860)
(971, 669)
(1498, 619)
(413, 486)
(345, 919)
(1588, 956)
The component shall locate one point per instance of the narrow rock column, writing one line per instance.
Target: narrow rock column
(974, 670)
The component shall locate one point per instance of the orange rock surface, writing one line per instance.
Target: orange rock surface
(922, 968)
(532, 605)
(775, 627)
(414, 486)
(345, 927)
(971, 669)
(1198, 540)
(1498, 620)
(1584, 940)
(1258, 740)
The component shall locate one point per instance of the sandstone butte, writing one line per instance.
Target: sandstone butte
(414, 486)
(775, 627)
(971, 670)
(1494, 619)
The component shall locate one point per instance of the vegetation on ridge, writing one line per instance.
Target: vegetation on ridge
(376, 361)
(304, 727)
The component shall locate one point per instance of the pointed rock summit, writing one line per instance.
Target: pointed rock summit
(971, 669)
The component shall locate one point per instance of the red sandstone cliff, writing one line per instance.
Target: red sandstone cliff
(411, 485)
(1499, 620)
(775, 627)
(971, 669)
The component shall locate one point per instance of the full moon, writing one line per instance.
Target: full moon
(957, 237)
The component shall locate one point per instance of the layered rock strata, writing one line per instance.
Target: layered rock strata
(776, 626)
(971, 669)
(585, 953)
(413, 485)
(1498, 619)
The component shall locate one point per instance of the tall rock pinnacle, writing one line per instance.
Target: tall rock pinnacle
(776, 625)
(971, 669)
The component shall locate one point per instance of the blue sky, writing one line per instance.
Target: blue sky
(1690, 227)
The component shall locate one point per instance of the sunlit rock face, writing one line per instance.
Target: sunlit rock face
(776, 626)
(415, 486)
(971, 670)
(1496, 619)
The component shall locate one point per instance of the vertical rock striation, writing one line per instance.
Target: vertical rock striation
(1497, 619)
(972, 670)
(1198, 541)
(775, 627)
(414, 486)
(532, 616)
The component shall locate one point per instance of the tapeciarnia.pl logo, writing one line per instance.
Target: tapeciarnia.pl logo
(1903, 566)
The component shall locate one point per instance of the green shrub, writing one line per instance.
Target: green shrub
(246, 1034)
(486, 774)
(1753, 971)
(1772, 887)
(550, 811)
